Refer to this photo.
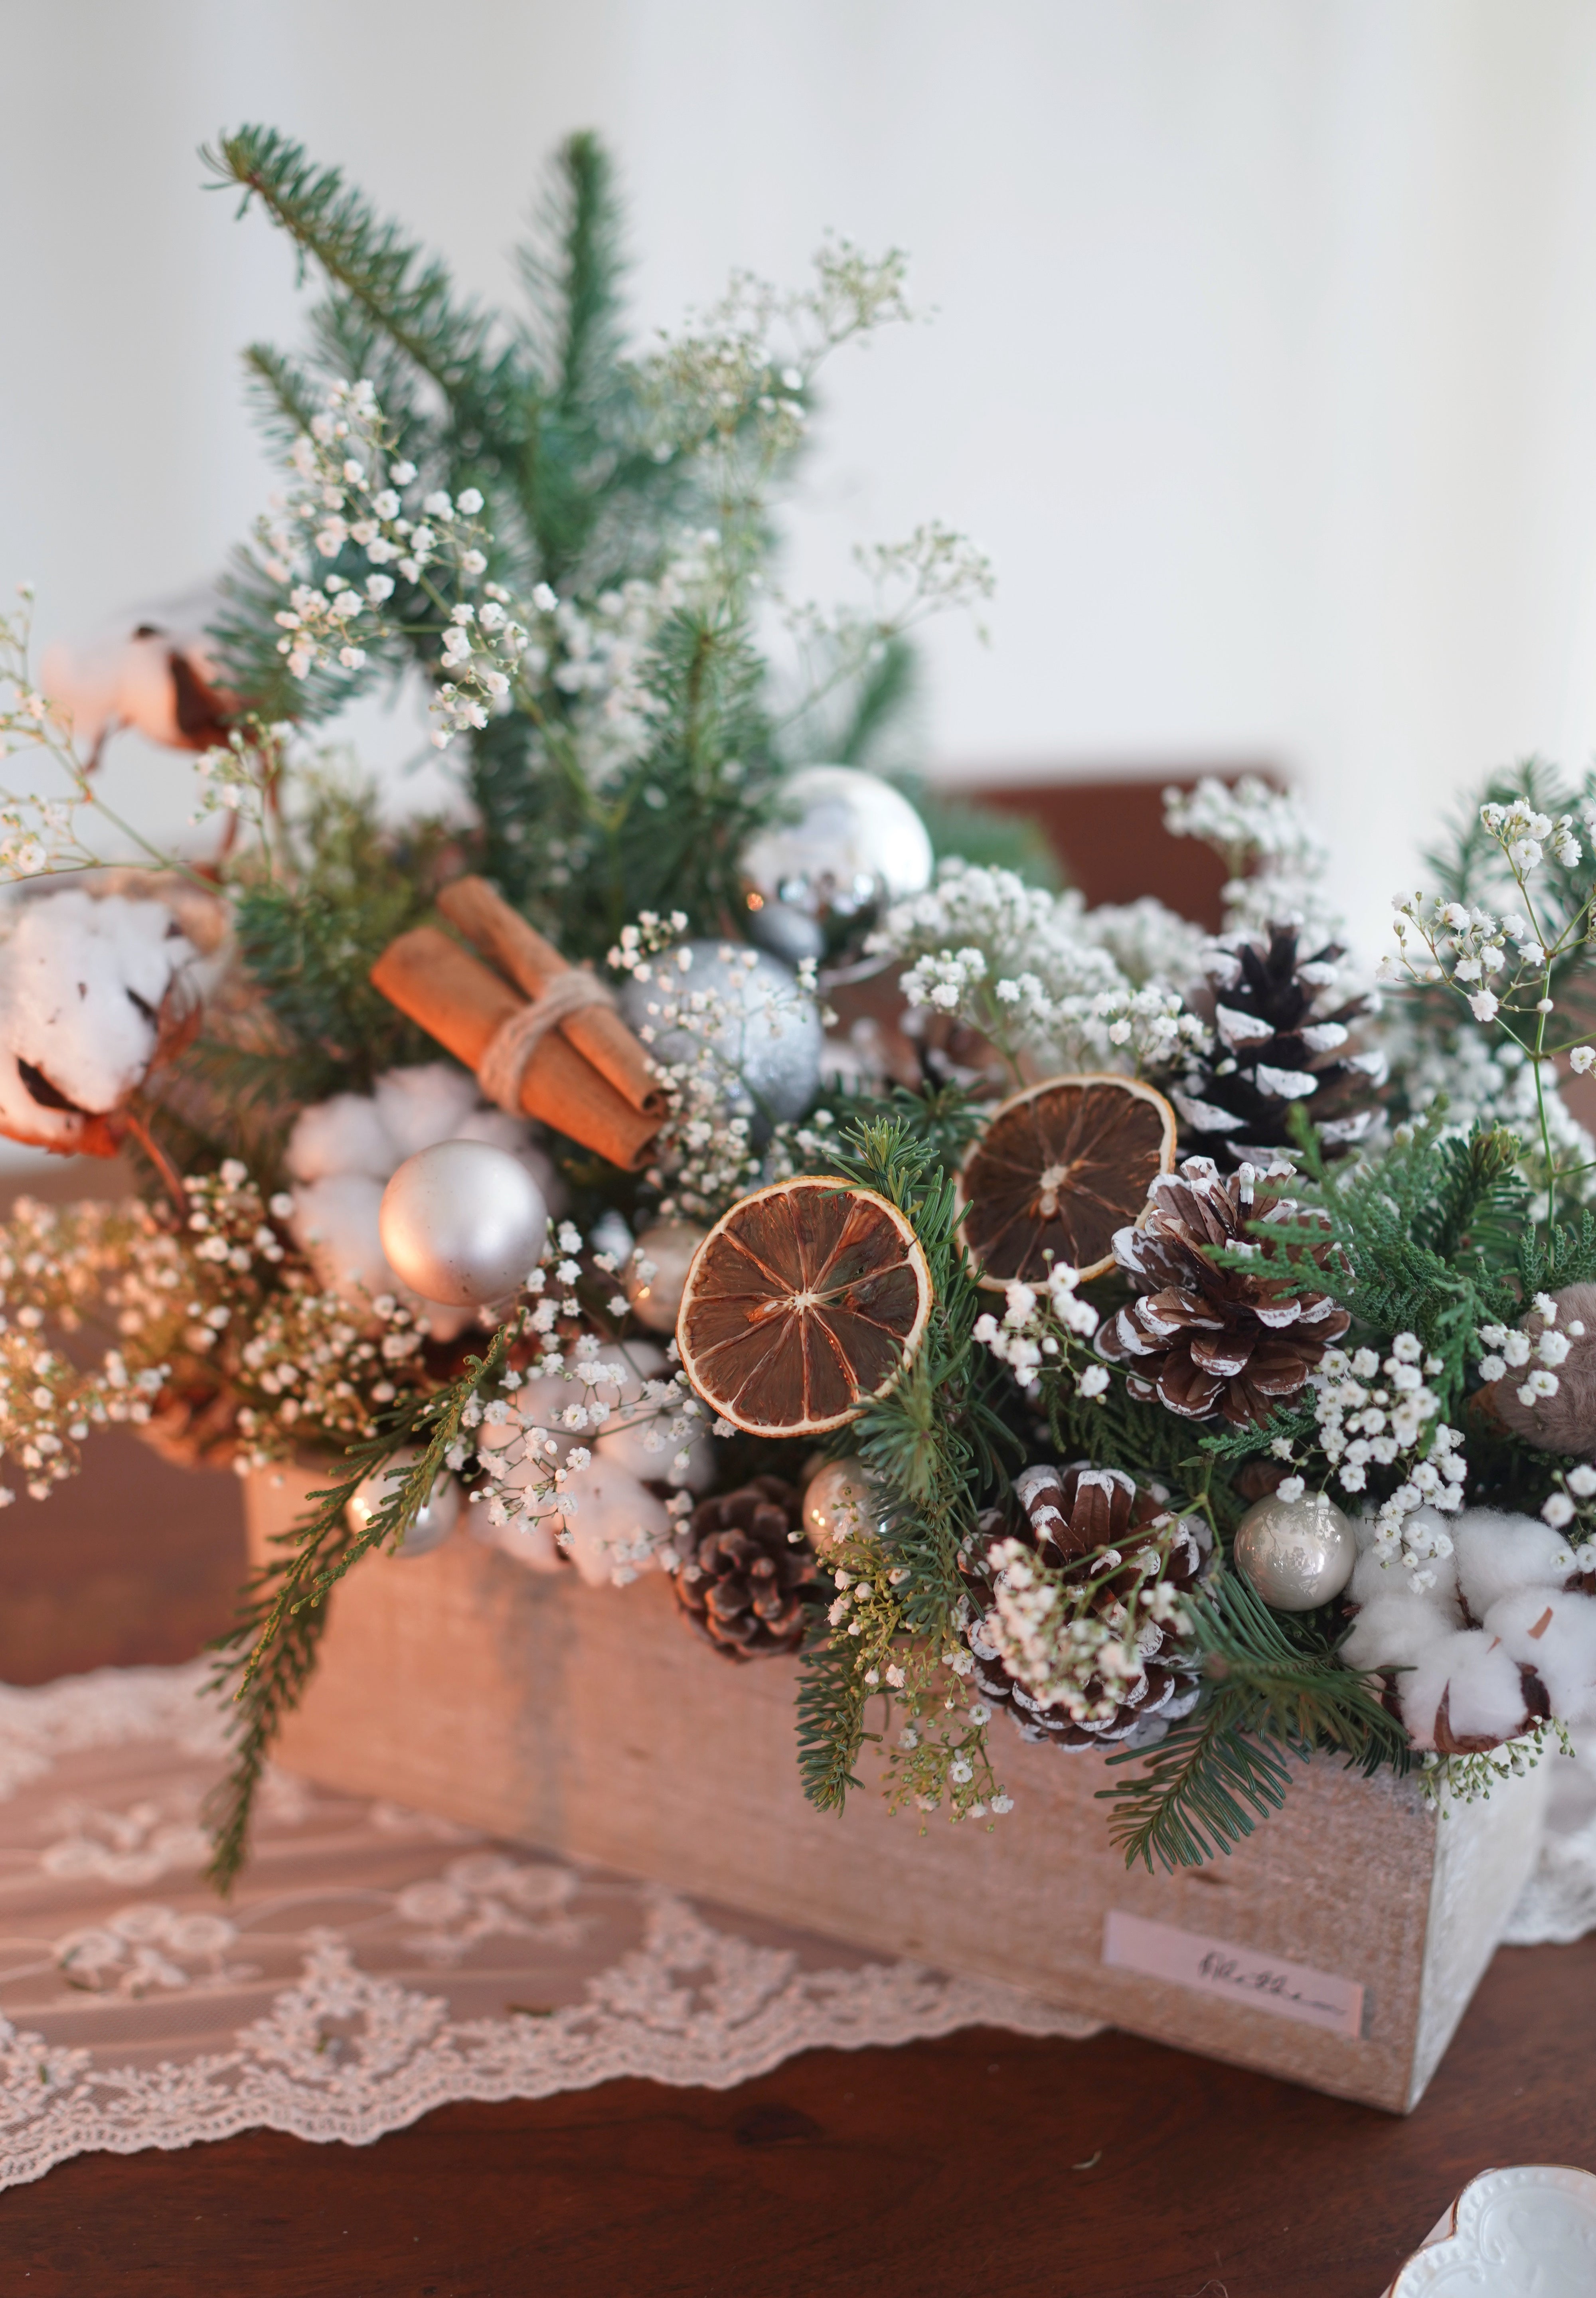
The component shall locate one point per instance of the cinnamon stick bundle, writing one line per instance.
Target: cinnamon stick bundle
(517, 948)
(463, 1004)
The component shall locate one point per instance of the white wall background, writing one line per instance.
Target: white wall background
(1265, 360)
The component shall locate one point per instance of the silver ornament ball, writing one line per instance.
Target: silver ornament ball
(657, 1273)
(763, 1033)
(1297, 1554)
(434, 1522)
(463, 1222)
(840, 1503)
(846, 841)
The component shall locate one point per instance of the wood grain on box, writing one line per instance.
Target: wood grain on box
(589, 1721)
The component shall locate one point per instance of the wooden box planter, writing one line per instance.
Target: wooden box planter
(1337, 1947)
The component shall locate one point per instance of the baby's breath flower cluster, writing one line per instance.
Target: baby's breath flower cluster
(40, 832)
(1536, 1355)
(940, 1756)
(1278, 864)
(1069, 1634)
(1023, 967)
(1045, 1328)
(1381, 1414)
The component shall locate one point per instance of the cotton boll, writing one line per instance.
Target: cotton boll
(1496, 1554)
(421, 1106)
(645, 1449)
(1555, 1634)
(1373, 1579)
(615, 1521)
(91, 991)
(334, 1225)
(1393, 1630)
(152, 669)
(534, 1545)
(344, 1134)
(1465, 1693)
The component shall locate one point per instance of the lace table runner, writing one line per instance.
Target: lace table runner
(374, 1963)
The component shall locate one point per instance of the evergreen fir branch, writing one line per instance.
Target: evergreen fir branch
(1278, 1692)
(283, 399)
(1566, 1255)
(831, 1700)
(411, 298)
(887, 689)
(267, 1659)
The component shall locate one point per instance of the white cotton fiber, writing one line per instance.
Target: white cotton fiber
(82, 983)
(423, 1105)
(1394, 1630)
(651, 1455)
(1497, 1553)
(1555, 1634)
(614, 1513)
(1479, 1680)
(334, 1225)
(534, 1545)
(344, 1134)
(1372, 1580)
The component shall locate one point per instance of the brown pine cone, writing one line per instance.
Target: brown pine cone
(742, 1574)
(1206, 1340)
(1278, 1039)
(1096, 1525)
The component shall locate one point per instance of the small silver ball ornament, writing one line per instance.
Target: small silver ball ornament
(762, 1032)
(434, 1522)
(849, 840)
(463, 1222)
(1297, 1554)
(657, 1273)
(841, 1502)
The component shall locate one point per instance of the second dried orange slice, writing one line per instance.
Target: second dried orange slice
(804, 1301)
(1058, 1170)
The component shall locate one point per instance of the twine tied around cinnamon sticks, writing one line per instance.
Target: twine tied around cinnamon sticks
(565, 1057)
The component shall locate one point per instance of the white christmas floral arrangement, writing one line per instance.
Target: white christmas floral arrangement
(661, 1161)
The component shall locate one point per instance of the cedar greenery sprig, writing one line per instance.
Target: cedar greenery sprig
(265, 1660)
(1277, 1695)
(935, 1446)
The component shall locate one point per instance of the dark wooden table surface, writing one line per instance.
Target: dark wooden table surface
(986, 2163)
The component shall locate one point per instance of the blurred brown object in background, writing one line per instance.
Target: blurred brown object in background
(1110, 838)
(132, 1563)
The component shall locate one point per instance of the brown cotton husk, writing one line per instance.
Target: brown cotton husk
(1565, 1422)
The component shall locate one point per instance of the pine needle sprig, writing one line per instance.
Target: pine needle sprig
(266, 1659)
(1276, 1698)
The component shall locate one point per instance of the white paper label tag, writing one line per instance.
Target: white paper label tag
(1241, 1974)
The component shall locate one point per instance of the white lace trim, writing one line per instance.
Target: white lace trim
(376, 1964)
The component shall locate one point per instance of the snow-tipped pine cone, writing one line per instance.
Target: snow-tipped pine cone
(1206, 1340)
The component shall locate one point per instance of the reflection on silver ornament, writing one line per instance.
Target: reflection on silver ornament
(840, 1503)
(434, 1522)
(740, 1011)
(1297, 1554)
(849, 840)
(658, 1270)
(463, 1222)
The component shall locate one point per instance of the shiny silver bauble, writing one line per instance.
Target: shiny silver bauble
(1297, 1554)
(790, 934)
(657, 1273)
(845, 841)
(463, 1222)
(842, 1502)
(435, 1522)
(758, 1035)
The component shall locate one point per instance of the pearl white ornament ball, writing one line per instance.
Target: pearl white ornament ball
(761, 1026)
(849, 840)
(840, 1503)
(1297, 1554)
(657, 1274)
(435, 1522)
(463, 1222)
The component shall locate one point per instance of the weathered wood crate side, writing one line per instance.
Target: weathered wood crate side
(591, 1721)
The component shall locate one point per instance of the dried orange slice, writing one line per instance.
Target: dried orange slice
(1058, 1170)
(803, 1303)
